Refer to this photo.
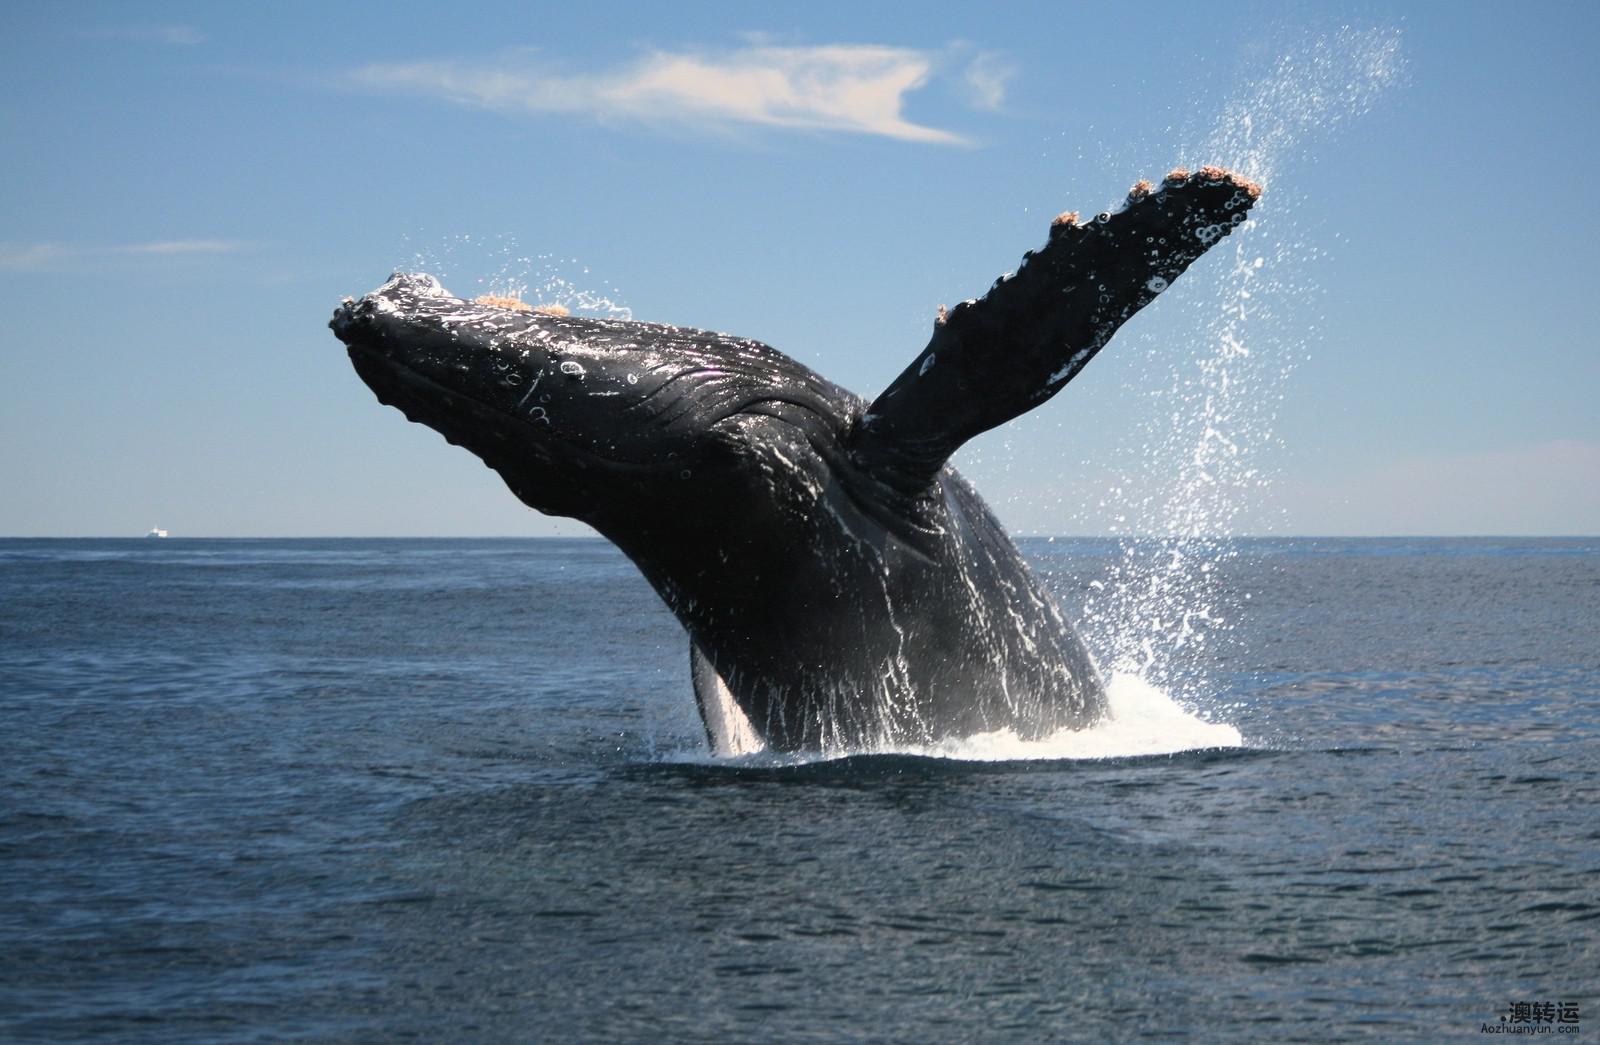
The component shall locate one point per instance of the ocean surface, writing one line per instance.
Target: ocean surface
(377, 790)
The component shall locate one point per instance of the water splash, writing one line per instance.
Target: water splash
(539, 279)
(1197, 470)
(1141, 721)
(1302, 102)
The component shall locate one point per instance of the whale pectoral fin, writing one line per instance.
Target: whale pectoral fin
(728, 728)
(995, 358)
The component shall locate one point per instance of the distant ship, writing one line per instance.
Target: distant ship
(157, 532)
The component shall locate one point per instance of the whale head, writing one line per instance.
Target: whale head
(605, 421)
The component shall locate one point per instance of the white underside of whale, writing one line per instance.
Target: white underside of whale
(727, 725)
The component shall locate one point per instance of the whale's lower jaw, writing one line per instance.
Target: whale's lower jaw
(496, 439)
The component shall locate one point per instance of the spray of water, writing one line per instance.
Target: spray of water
(1165, 609)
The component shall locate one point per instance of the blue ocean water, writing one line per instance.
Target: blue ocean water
(453, 790)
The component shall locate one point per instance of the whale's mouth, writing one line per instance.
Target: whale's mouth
(411, 335)
(405, 341)
(362, 320)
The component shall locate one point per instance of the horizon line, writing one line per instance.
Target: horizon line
(1015, 535)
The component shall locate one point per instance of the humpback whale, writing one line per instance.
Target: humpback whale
(841, 585)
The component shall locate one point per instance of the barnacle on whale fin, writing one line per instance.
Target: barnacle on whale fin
(1210, 173)
(1182, 175)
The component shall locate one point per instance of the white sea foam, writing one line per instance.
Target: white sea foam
(1142, 720)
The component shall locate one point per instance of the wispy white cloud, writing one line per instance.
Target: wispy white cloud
(857, 88)
(985, 78)
(38, 257)
(182, 246)
(175, 35)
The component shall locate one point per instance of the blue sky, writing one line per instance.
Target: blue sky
(191, 188)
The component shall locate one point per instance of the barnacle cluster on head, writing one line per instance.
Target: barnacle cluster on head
(503, 301)
(516, 304)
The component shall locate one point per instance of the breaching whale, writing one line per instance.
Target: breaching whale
(843, 588)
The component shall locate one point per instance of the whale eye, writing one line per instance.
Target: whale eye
(572, 368)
